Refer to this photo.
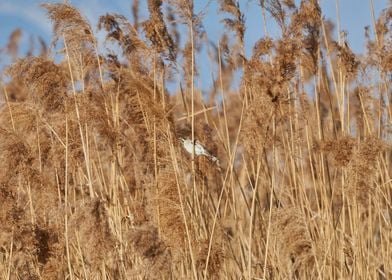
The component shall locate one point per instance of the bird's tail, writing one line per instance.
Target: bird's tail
(214, 159)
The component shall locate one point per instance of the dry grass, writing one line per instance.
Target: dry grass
(95, 185)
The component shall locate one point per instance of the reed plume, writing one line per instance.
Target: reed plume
(96, 183)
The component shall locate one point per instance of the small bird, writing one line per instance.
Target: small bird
(199, 149)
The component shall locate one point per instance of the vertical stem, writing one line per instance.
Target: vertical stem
(66, 200)
(192, 97)
(85, 151)
(9, 108)
(270, 203)
(193, 137)
(341, 77)
(264, 18)
(338, 20)
(10, 257)
(214, 225)
(189, 238)
(223, 100)
(251, 221)
(155, 149)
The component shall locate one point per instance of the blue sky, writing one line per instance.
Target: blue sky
(30, 17)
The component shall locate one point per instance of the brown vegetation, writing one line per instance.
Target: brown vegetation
(94, 183)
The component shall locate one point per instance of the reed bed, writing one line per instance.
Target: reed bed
(94, 182)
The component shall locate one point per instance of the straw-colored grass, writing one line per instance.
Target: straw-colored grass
(94, 183)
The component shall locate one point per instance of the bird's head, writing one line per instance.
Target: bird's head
(182, 140)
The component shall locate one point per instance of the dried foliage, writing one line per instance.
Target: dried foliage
(120, 30)
(292, 242)
(13, 44)
(77, 35)
(238, 23)
(94, 182)
(156, 31)
(363, 170)
(46, 81)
